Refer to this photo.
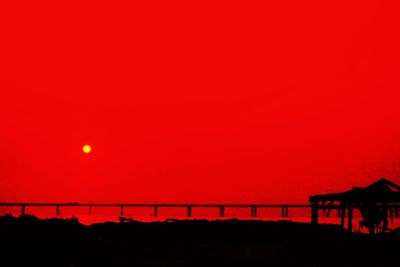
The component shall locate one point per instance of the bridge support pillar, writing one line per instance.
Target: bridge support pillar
(222, 211)
(285, 211)
(155, 210)
(253, 211)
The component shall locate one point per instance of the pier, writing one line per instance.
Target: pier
(314, 210)
(252, 208)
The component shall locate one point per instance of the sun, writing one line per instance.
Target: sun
(86, 149)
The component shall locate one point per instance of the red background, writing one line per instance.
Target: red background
(197, 101)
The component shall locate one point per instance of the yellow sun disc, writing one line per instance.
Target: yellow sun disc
(86, 149)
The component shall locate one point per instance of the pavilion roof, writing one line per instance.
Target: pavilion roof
(382, 191)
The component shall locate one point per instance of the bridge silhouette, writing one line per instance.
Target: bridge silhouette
(253, 208)
(314, 209)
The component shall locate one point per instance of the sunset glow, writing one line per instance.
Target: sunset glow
(197, 101)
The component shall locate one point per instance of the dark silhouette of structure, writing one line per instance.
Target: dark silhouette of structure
(375, 202)
(29, 241)
(189, 207)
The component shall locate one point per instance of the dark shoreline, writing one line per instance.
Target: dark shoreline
(28, 241)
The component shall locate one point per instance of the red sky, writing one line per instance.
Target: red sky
(197, 101)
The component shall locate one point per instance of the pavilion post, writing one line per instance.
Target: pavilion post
(342, 215)
(314, 213)
(350, 219)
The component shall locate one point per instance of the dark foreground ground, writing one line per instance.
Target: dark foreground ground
(28, 241)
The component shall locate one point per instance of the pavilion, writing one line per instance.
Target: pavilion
(374, 203)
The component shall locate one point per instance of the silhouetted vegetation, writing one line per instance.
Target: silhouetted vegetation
(28, 241)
